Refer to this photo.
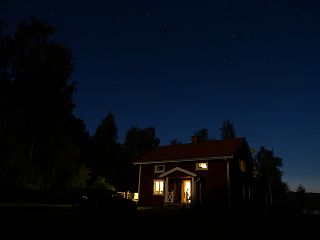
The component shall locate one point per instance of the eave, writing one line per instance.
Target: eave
(184, 160)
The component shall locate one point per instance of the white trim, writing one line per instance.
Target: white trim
(184, 160)
(163, 187)
(195, 191)
(177, 169)
(139, 181)
(193, 188)
(166, 189)
(159, 171)
(229, 188)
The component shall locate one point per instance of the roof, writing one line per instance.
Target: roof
(204, 149)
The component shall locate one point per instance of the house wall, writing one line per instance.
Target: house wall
(146, 196)
(213, 186)
(214, 182)
(215, 189)
(241, 182)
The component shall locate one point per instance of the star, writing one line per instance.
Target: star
(233, 35)
(117, 19)
(52, 12)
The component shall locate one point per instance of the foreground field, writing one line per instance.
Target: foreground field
(61, 222)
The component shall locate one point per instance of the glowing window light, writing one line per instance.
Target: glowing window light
(136, 196)
(243, 167)
(187, 191)
(202, 166)
(158, 186)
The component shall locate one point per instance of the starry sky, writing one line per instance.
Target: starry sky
(184, 65)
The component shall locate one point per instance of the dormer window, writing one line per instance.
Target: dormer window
(159, 168)
(202, 166)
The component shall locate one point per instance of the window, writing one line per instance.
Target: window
(158, 187)
(159, 168)
(202, 166)
(243, 167)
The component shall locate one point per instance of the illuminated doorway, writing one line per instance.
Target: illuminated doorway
(186, 191)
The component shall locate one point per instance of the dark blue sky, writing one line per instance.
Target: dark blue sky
(184, 65)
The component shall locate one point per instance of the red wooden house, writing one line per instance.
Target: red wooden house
(217, 173)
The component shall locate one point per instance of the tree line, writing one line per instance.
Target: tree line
(43, 145)
(269, 189)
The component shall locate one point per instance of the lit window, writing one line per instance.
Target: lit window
(159, 168)
(243, 167)
(202, 166)
(135, 196)
(158, 187)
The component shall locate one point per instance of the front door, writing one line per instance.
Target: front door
(179, 191)
(186, 191)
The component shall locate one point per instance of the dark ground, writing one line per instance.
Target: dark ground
(61, 222)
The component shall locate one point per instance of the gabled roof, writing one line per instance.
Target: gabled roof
(204, 149)
(177, 169)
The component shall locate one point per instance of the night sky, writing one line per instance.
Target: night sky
(184, 65)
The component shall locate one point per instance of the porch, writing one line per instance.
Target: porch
(182, 188)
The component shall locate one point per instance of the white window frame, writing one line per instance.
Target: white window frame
(161, 185)
(156, 168)
(200, 168)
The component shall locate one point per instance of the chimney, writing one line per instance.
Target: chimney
(195, 139)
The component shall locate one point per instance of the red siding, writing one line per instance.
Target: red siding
(146, 196)
(214, 182)
(214, 186)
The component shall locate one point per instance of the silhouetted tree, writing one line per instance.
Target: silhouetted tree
(174, 141)
(300, 197)
(105, 147)
(227, 130)
(37, 149)
(124, 177)
(138, 140)
(202, 134)
(81, 177)
(269, 177)
(111, 161)
(81, 138)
